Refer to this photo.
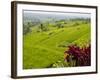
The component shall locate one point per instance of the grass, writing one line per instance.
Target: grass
(42, 49)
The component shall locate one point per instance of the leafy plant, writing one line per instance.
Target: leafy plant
(82, 55)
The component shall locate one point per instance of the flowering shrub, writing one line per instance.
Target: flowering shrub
(81, 55)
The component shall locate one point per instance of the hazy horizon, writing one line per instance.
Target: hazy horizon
(50, 13)
(49, 16)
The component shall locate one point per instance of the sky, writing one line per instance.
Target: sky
(48, 14)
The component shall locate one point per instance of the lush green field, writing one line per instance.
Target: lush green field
(44, 48)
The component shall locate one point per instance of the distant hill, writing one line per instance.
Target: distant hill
(50, 17)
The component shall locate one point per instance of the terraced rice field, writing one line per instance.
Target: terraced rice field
(42, 49)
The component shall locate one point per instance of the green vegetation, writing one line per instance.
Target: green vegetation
(44, 43)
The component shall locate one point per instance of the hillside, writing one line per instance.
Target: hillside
(42, 49)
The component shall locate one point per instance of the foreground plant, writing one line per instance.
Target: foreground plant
(81, 55)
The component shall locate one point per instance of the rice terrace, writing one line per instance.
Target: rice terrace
(56, 39)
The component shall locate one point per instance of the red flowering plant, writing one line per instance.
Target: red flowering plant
(81, 55)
